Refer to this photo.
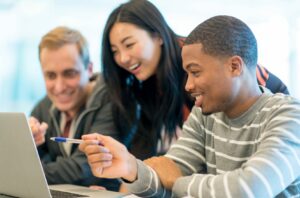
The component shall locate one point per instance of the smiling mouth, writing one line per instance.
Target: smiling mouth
(133, 67)
(196, 95)
(198, 99)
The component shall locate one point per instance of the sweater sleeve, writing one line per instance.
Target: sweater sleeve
(273, 169)
(147, 183)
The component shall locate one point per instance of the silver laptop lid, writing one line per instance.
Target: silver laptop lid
(21, 173)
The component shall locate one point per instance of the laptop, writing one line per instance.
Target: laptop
(21, 172)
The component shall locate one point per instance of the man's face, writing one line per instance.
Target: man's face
(209, 79)
(66, 77)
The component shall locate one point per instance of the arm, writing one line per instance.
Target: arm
(162, 172)
(112, 160)
(40, 113)
(74, 169)
(166, 169)
(108, 158)
(58, 167)
(147, 181)
(272, 168)
(270, 81)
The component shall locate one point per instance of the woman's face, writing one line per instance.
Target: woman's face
(135, 50)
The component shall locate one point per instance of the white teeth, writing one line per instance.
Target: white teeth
(133, 66)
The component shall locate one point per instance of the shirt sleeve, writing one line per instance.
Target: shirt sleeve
(272, 169)
(147, 183)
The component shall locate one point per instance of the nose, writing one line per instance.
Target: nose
(59, 85)
(124, 57)
(189, 85)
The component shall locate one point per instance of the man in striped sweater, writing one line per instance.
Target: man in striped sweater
(240, 140)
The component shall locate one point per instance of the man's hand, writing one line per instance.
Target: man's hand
(108, 158)
(166, 169)
(123, 189)
(94, 187)
(38, 130)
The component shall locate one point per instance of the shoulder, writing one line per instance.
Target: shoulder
(100, 83)
(281, 99)
(281, 106)
(42, 107)
(99, 94)
(45, 103)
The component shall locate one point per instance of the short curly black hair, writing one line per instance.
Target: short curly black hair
(224, 36)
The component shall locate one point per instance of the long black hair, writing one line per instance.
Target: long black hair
(142, 109)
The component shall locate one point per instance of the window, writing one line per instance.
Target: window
(276, 25)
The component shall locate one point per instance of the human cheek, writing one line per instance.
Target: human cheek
(75, 81)
(117, 59)
(146, 52)
(199, 83)
(49, 86)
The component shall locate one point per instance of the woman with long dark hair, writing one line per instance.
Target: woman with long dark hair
(142, 66)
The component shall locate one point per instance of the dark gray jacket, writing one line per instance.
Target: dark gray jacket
(96, 116)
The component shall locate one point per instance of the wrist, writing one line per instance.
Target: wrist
(131, 175)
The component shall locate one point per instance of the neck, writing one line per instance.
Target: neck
(245, 98)
(88, 91)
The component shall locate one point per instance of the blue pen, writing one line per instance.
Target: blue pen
(69, 140)
(66, 140)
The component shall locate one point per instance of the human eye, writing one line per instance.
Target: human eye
(114, 51)
(70, 73)
(130, 45)
(50, 75)
(195, 73)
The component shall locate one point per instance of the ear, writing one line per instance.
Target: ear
(158, 38)
(90, 69)
(236, 65)
(161, 42)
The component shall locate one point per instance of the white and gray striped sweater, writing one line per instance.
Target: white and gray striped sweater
(254, 155)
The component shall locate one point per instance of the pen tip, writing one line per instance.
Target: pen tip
(52, 138)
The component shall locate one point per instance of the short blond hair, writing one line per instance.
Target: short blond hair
(62, 35)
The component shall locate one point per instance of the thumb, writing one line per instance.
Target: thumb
(44, 126)
(92, 136)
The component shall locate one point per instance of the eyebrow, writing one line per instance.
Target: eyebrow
(192, 65)
(124, 39)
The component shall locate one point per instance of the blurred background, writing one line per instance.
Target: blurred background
(276, 24)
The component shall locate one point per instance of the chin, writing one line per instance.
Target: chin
(206, 113)
(64, 107)
(141, 78)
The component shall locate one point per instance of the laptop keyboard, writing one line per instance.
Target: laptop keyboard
(61, 194)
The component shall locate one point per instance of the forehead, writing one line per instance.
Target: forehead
(191, 53)
(66, 50)
(122, 30)
(65, 56)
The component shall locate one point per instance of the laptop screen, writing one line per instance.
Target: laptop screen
(21, 172)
